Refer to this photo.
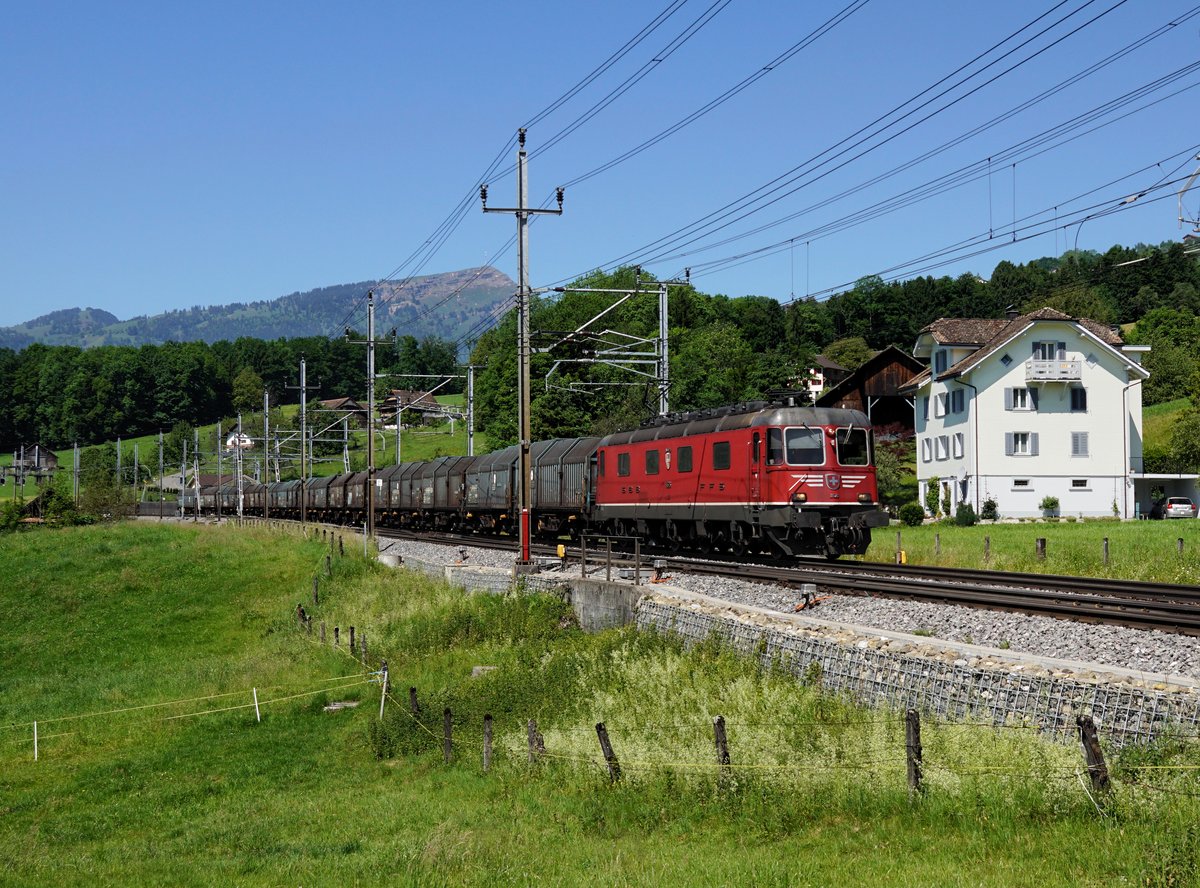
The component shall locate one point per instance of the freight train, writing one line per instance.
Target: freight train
(763, 478)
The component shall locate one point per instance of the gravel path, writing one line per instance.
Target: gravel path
(1137, 649)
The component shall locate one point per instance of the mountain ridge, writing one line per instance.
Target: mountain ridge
(448, 305)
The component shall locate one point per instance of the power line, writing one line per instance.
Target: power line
(875, 128)
(1023, 151)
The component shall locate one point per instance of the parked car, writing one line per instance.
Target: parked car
(1180, 507)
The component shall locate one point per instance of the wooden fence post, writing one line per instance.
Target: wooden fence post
(912, 750)
(537, 744)
(1097, 769)
(341, 547)
(987, 548)
(447, 743)
(1040, 547)
(722, 745)
(899, 548)
(1106, 551)
(413, 706)
(322, 632)
(336, 636)
(487, 743)
(937, 545)
(352, 648)
(614, 767)
(328, 565)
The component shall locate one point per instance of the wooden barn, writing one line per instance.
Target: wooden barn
(873, 388)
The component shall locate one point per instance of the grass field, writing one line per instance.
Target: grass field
(1138, 550)
(108, 619)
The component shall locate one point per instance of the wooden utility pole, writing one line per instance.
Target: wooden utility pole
(522, 212)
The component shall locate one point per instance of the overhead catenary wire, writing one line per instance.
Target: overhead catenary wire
(1026, 149)
(758, 204)
(761, 196)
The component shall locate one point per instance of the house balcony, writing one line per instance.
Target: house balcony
(1053, 371)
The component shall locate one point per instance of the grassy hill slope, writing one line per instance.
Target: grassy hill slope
(110, 622)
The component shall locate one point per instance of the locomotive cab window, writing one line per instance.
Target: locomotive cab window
(805, 447)
(600, 460)
(684, 459)
(853, 446)
(651, 462)
(720, 457)
(774, 447)
(623, 464)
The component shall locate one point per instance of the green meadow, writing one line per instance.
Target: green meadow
(138, 648)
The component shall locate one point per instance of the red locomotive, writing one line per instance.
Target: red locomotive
(754, 478)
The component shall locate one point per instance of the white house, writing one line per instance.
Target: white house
(1031, 406)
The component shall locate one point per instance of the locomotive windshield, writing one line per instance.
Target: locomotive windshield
(854, 446)
(804, 447)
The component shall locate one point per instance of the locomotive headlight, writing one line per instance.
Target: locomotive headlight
(798, 498)
(864, 497)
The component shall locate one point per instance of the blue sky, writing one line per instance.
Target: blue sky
(158, 156)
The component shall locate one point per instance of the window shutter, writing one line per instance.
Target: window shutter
(1033, 398)
(1008, 443)
(1033, 443)
(1008, 399)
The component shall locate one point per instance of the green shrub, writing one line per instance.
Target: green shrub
(964, 516)
(912, 514)
(1049, 504)
(989, 511)
(932, 492)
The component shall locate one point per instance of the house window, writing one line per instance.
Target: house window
(684, 462)
(925, 408)
(941, 405)
(1006, 360)
(1049, 351)
(720, 457)
(623, 464)
(1078, 400)
(1079, 443)
(940, 361)
(1020, 399)
(957, 400)
(1020, 484)
(651, 462)
(1079, 484)
(926, 450)
(943, 447)
(1020, 443)
(958, 445)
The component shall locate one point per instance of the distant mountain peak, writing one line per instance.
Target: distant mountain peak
(448, 305)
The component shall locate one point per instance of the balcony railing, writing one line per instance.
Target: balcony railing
(1053, 371)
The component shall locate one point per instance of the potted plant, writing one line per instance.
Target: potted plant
(1049, 506)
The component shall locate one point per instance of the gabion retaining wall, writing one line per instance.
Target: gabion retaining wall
(881, 678)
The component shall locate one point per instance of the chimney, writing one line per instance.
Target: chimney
(1011, 313)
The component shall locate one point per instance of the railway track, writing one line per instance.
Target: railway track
(1162, 606)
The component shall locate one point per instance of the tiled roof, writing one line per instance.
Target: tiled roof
(990, 334)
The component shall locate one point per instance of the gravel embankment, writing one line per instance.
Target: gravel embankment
(1136, 649)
